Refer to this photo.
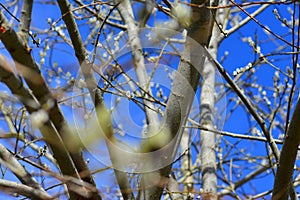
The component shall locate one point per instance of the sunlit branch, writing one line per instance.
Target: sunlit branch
(25, 64)
(11, 187)
(24, 25)
(126, 12)
(249, 106)
(246, 20)
(244, 180)
(252, 3)
(31, 144)
(234, 135)
(262, 26)
(283, 178)
(92, 85)
(20, 172)
(83, 6)
(295, 63)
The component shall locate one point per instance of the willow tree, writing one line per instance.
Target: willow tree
(127, 99)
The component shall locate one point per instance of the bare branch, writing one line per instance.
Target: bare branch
(25, 20)
(109, 22)
(247, 19)
(5, 135)
(182, 94)
(235, 135)
(26, 64)
(12, 163)
(263, 26)
(249, 106)
(283, 178)
(207, 138)
(247, 178)
(126, 12)
(91, 83)
(44, 95)
(11, 187)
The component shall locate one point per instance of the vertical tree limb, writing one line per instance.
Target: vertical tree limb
(188, 176)
(181, 96)
(126, 13)
(27, 66)
(207, 109)
(24, 25)
(283, 177)
(290, 149)
(91, 83)
(207, 138)
(249, 106)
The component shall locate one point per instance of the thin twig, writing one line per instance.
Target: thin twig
(249, 106)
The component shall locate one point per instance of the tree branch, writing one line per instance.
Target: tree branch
(283, 178)
(126, 12)
(48, 131)
(11, 187)
(12, 163)
(114, 24)
(247, 19)
(241, 182)
(25, 20)
(234, 135)
(248, 105)
(182, 95)
(207, 107)
(44, 96)
(91, 83)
